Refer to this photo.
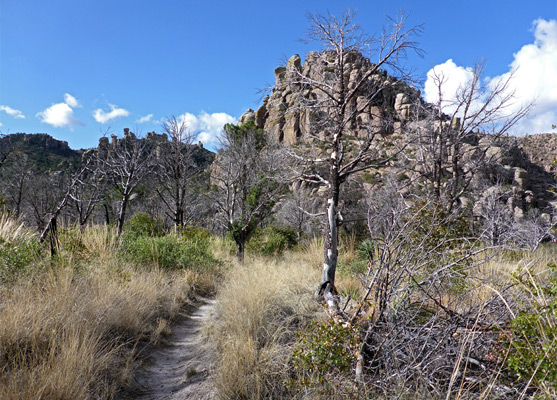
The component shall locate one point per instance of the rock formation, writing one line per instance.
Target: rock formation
(520, 171)
(282, 117)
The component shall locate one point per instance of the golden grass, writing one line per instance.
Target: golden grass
(63, 334)
(70, 329)
(494, 271)
(259, 308)
(12, 229)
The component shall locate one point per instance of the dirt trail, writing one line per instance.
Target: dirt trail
(179, 369)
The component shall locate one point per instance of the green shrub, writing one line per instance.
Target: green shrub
(142, 224)
(272, 241)
(169, 252)
(328, 347)
(17, 257)
(194, 233)
(532, 343)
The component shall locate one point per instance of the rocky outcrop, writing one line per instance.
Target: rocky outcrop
(520, 171)
(286, 121)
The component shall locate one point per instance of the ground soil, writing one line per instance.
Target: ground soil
(181, 368)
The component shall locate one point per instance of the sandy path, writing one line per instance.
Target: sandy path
(179, 369)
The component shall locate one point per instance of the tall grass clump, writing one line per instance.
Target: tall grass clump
(260, 309)
(12, 230)
(272, 241)
(144, 243)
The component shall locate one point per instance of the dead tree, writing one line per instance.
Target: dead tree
(453, 138)
(177, 170)
(51, 227)
(16, 177)
(125, 165)
(248, 178)
(335, 104)
(89, 192)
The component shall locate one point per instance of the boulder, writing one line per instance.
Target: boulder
(403, 105)
(249, 115)
(521, 178)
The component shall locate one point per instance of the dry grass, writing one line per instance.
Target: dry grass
(65, 334)
(494, 270)
(260, 307)
(72, 329)
(12, 229)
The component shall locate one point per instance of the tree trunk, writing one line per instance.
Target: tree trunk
(106, 214)
(122, 213)
(326, 290)
(240, 244)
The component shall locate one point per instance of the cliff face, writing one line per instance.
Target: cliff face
(285, 118)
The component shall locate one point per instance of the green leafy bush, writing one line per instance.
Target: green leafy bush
(364, 252)
(532, 343)
(170, 251)
(327, 347)
(142, 224)
(17, 257)
(272, 241)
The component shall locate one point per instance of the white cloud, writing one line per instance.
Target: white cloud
(444, 81)
(207, 126)
(534, 79)
(115, 112)
(10, 111)
(144, 119)
(71, 101)
(61, 114)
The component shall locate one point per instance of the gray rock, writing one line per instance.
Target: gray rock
(249, 115)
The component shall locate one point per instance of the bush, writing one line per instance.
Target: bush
(142, 224)
(328, 347)
(16, 257)
(170, 251)
(358, 265)
(272, 241)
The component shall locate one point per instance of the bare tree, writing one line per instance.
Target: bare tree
(89, 191)
(179, 168)
(418, 309)
(450, 148)
(51, 226)
(16, 177)
(248, 180)
(126, 164)
(335, 104)
(300, 211)
(504, 226)
(45, 190)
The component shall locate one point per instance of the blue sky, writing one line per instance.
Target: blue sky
(77, 69)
